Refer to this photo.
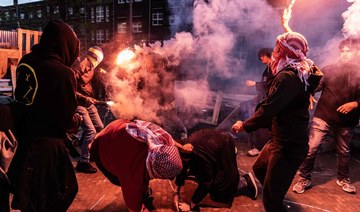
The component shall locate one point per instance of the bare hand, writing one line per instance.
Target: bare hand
(250, 83)
(238, 127)
(91, 100)
(188, 148)
(183, 206)
(312, 101)
(347, 107)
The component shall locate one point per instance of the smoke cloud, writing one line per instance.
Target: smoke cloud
(351, 28)
(214, 47)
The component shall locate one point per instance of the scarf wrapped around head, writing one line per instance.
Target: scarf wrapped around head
(163, 160)
(293, 48)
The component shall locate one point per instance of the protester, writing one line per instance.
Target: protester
(338, 111)
(41, 172)
(8, 145)
(286, 110)
(85, 69)
(214, 165)
(261, 136)
(130, 154)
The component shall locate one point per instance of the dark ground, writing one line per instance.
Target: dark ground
(96, 193)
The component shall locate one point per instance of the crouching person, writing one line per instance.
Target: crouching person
(213, 163)
(130, 154)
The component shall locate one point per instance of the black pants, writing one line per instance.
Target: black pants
(43, 176)
(275, 168)
(4, 195)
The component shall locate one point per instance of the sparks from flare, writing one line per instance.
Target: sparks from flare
(124, 57)
(288, 10)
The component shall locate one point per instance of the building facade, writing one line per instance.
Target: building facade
(97, 22)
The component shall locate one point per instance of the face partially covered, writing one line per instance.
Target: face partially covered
(275, 53)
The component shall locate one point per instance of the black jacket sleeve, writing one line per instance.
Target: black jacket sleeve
(280, 95)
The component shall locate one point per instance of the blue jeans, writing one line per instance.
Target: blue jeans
(318, 131)
(91, 125)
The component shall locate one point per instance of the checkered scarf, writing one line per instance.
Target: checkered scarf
(163, 160)
(293, 50)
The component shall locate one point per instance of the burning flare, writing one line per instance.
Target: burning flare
(286, 16)
(124, 57)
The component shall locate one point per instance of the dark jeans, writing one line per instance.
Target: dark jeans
(91, 125)
(343, 136)
(275, 168)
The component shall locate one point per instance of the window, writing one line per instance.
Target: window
(93, 36)
(107, 35)
(56, 10)
(23, 41)
(121, 27)
(137, 27)
(22, 16)
(100, 36)
(32, 40)
(92, 15)
(107, 13)
(48, 10)
(99, 14)
(7, 15)
(82, 10)
(31, 15)
(39, 13)
(127, 1)
(157, 19)
(70, 10)
(173, 20)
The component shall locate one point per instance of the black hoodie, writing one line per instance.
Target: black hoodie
(46, 85)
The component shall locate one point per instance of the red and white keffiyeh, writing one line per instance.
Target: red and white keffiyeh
(293, 48)
(163, 160)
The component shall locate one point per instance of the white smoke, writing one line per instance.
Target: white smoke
(351, 28)
(219, 46)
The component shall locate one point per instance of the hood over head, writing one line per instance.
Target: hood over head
(59, 40)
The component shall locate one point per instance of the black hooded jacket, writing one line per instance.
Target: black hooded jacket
(46, 85)
(213, 163)
(285, 109)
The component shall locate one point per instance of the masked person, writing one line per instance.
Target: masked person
(286, 110)
(91, 124)
(338, 111)
(214, 165)
(131, 153)
(41, 172)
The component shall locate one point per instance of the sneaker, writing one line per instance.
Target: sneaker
(301, 186)
(346, 185)
(85, 168)
(251, 185)
(253, 152)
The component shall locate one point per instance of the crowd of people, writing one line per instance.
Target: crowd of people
(54, 97)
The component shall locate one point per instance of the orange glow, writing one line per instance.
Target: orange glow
(124, 57)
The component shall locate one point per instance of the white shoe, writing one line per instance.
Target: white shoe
(253, 152)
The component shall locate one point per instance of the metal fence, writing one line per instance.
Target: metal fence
(8, 39)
